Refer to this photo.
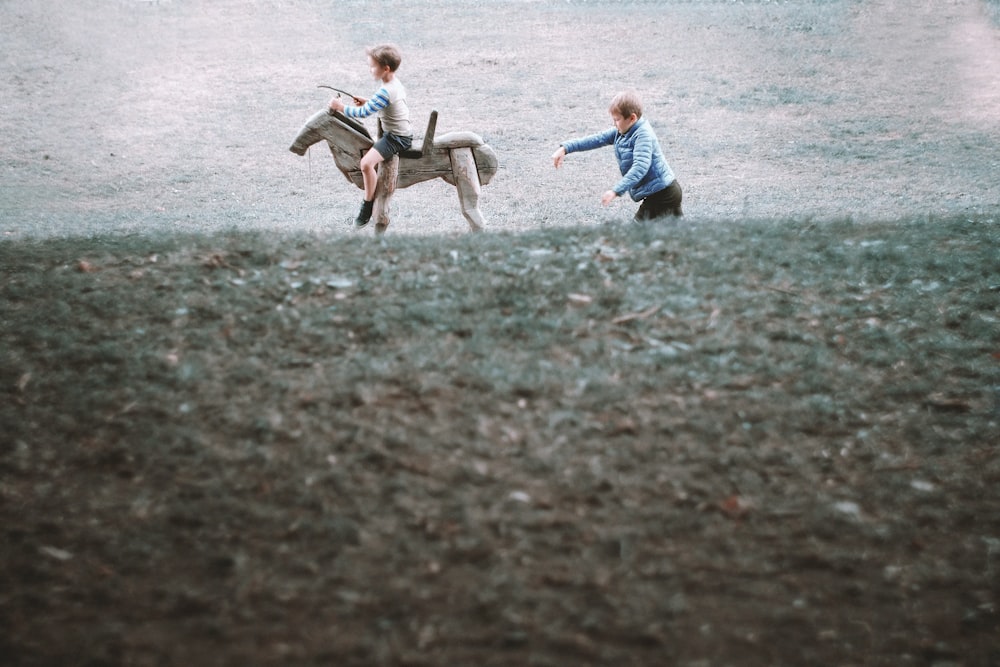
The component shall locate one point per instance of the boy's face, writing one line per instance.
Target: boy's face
(378, 71)
(623, 123)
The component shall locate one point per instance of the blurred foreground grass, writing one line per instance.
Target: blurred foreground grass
(266, 420)
(833, 319)
(880, 340)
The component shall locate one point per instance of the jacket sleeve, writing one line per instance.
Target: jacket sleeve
(606, 138)
(642, 160)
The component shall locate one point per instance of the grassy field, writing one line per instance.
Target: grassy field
(689, 443)
(132, 117)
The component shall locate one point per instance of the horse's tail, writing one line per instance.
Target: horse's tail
(486, 157)
(486, 162)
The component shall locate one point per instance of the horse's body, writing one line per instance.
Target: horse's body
(462, 159)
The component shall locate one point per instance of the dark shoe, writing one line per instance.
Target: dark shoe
(365, 214)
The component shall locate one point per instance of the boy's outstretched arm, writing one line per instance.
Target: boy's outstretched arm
(557, 160)
(606, 138)
(559, 156)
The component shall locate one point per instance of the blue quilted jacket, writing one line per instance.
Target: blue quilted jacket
(643, 166)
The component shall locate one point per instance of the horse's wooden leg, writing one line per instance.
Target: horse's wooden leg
(385, 187)
(463, 166)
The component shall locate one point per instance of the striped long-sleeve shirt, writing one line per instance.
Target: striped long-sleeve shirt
(389, 102)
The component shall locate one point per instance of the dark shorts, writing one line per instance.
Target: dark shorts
(390, 144)
(665, 202)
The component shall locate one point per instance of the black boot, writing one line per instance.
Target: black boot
(365, 214)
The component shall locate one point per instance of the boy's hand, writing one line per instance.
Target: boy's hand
(336, 105)
(559, 156)
(359, 101)
(608, 197)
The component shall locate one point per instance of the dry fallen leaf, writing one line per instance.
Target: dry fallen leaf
(943, 403)
(735, 506)
(216, 261)
(641, 315)
(58, 554)
(519, 496)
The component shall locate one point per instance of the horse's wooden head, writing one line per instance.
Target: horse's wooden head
(348, 139)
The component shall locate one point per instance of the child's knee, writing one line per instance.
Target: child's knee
(371, 160)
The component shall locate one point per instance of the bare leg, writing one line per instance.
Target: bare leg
(463, 166)
(369, 178)
(369, 165)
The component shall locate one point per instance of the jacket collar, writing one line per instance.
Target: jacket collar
(632, 130)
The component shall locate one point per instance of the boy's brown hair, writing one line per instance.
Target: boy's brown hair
(627, 103)
(386, 55)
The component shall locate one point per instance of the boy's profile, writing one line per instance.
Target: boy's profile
(646, 176)
(389, 102)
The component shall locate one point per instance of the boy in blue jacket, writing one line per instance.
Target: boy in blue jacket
(646, 176)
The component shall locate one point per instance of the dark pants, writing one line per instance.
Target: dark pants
(665, 202)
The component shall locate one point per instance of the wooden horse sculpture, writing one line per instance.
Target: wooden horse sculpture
(462, 159)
